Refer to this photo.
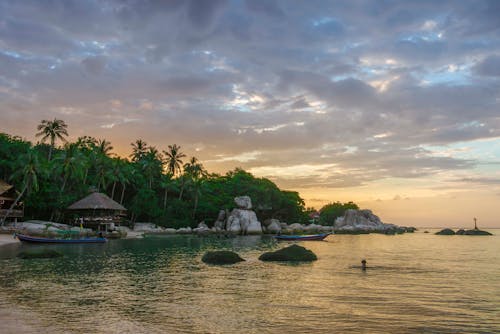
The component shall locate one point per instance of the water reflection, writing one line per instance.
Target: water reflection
(159, 283)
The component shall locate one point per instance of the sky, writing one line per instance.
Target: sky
(392, 104)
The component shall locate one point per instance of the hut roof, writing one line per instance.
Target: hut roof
(4, 187)
(96, 201)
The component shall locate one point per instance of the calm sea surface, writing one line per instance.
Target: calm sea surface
(415, 283)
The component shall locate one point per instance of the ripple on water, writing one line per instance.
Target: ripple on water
(150, 285)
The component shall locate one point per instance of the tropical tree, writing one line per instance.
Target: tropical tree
(70, 161)
(52, 130)
(139, 149)
(104, 147)
(29, 173)
(173, 157)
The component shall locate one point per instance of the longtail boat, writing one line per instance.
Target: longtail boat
(27, 238)
(321, 236)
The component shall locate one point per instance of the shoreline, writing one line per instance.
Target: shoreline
(7, 239)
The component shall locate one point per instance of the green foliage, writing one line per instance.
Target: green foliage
(291, 253)
(153, 186)
(332, 211)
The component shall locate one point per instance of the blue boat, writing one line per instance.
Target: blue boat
(30, 239)
(314, 237)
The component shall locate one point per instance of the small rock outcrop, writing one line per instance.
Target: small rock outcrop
(446, 231)
(476, 232)
(294, 253)
(221, 257)
(243, 220)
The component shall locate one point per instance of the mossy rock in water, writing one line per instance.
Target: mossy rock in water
(291, 253)
(446, 231)
(39, 254)
(221, 257)
(476, 232)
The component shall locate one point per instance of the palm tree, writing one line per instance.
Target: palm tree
(30, 173)
(104, 146)
(52, 130)
(152, 164)
(173, 159)
(71, 163)
(166, 180)
(196, 172)
(139, 149)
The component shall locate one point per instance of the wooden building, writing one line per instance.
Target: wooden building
(97, 211)
(8, 195)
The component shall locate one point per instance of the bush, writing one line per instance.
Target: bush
(332, 211)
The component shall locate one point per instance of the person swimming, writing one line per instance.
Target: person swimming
(363, 264)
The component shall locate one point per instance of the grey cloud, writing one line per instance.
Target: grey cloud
(490, 66)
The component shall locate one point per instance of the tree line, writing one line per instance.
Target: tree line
(155, 186)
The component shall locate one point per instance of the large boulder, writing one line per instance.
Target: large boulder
(221, 257)
(243, 202)
(291, 253)
(296, 228)
(243, 222)
(147, 227)
(272, 226)
(220, 222)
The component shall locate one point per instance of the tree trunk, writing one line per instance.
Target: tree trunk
(195, 202)
(113, 190)
(14, 204)
(182, 189)
(123, 193)
(165, 198)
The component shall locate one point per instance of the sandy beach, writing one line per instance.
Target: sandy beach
(6, 239)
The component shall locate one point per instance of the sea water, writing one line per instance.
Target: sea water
(414, 283)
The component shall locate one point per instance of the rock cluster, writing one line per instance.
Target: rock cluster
(449, 231)
(364, 221)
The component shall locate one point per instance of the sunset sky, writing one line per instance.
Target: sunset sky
(394, 105)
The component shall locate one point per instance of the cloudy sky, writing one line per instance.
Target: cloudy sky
(392, 104)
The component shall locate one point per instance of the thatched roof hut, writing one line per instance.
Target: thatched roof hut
(8, 195)
(96, 201)
(97, 210)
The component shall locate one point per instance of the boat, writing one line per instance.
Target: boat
(27, 238)
(312, 237)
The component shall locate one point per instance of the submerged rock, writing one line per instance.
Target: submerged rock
(291, 253)
(221, 257)
(39, 254)
(446, 231)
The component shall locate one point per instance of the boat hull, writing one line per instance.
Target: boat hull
(315, 237)
(40, 240)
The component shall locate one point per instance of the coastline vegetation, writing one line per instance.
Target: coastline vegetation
(154, 185)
